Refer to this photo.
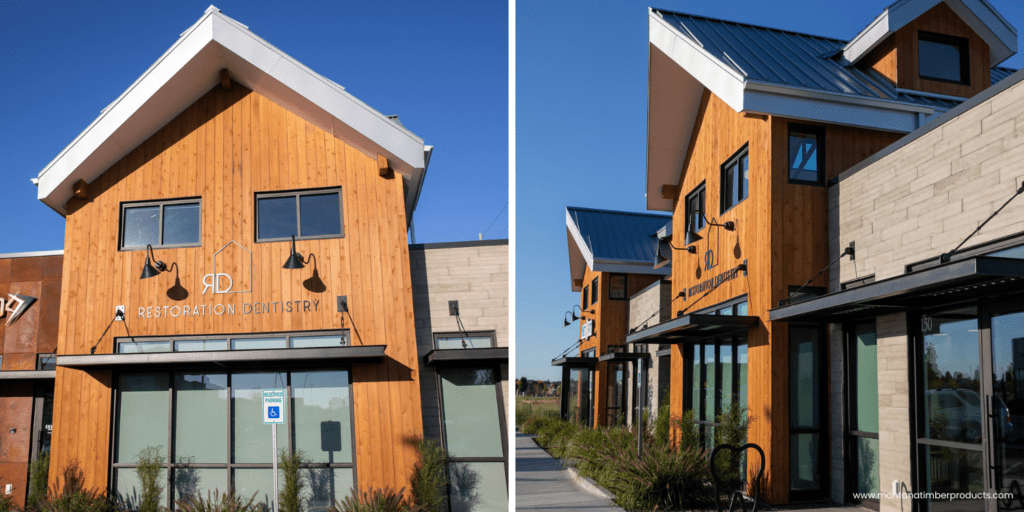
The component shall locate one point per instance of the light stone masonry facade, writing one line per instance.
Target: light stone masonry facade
(642, 306)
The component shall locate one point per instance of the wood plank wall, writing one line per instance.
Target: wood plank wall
(896, 57)
(226, 147)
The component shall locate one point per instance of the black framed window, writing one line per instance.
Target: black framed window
(586, 297)
(695, 208)
(231, 447)
(716, 378)
(943, 58)
(307, 339)
(735, 179)
(617, 286)
(46, 362)
(616, 401)
(862, 406)
(307, 214)
(594, 289)
(806, 154)
(806, 430)
(458, 341)
(170, 223)
(473, 428)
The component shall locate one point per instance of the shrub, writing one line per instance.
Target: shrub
(731, 429)
(228, 502)
(288, 498)
(72, 496)
(688, 438)
(375, 500)
(150, 467)
(38, 472)
(663, 423)
(661, 479)
(429, 482)
(7, 503)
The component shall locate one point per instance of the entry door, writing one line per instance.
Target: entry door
(1004, 329)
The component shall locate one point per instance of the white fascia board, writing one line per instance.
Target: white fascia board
(829, 111)
(631, 267)
(577, 246)
(867, 39)
(189, 69)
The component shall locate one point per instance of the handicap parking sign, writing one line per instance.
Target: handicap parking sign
(273, 406)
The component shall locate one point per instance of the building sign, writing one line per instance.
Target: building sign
(710, 284)
(245, 308)
(588, 329)
(273, 406)
(14, 306)
(222, 282)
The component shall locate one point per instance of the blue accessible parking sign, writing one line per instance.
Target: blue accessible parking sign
(273, 406)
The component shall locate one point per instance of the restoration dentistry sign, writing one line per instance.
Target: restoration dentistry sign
(245, 308)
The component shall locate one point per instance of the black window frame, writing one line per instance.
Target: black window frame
(297, 193)
(160, 223)
(594, 289)
(585, 296)
(733, 161)
(819, 133)
(467, 334)
(962, 44)
(698, 193)
(823, 430)
(850, 436)
(345, 334)
(625, 286)
(42, 359)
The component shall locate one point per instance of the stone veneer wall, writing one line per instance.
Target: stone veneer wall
(642, 305)
(476, 275)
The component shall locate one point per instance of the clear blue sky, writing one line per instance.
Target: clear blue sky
(441, 66)
(581, 113)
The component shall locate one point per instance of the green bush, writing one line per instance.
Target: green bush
(688, 435)
(663, 423)
(72, 496)
(7, 503)
(228, 502)
(38, 472)
(732, 430)
(288, 497)
(429, 482)
(151, 465)
(375, 500)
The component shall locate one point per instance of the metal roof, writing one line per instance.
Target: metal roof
(618, 236)
(791, 59)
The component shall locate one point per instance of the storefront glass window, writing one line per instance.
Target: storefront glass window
(863, 385)
(804, 407)
(203, 396)
(252, 441)
(323, 414)
(951, 382)
(616, 394)
(142, 414)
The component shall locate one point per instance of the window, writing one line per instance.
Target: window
(474, 428)
(735, 179)
(806, 154)
(616, 405)
(458, 341)
(137, 345)
(230, 447)
(862, 358)
(617, 287)
(174, 223)
(805, 411)
(46, 362)
(695, 208)
(717, 378)
(943, 58)
(305, 214)
(593, 291)
(586, 297)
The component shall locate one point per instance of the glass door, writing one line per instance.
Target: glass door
(1005, 407)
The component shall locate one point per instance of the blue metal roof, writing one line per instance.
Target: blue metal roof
(618, 236)
(793, 59)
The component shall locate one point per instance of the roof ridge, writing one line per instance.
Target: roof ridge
(753, 25)
(621, 212)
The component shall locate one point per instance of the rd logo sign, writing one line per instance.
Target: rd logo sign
(273, 406)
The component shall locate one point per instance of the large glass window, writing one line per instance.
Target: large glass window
(806, 154)
(305, 214)
(316, 339)
(173, 223)
(943, 58)
(862, 357)
(213, 424)
(616, 396)
(617, 287)
(805, 425)
(717, 380)
(695, 209)
(474, 435)
(735, 179)
(458, 341)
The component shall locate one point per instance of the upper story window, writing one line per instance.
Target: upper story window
(171, 223)
(449, 341)
(586, 297)
(303, 213)
(46, 362)
(806, 154)
(593, 291)
(735, 179)
(617, 287)
(695, 208)
(943, 58)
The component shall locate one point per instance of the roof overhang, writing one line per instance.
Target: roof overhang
(582, 257)
(979, 15)
(947, 284)
(28, 375)
(467, 357)
(623, 357)
(693, 327)
(221, 359)
(190, 68)
(575, 362)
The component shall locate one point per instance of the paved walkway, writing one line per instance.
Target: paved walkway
(542, 484)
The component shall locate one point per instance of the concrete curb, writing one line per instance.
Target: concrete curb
(589, 485)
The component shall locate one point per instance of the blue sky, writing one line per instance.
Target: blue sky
(581, 112)
(441, 66)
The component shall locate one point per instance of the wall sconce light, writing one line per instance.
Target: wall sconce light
(295, 260)
(152, 270)
(691, 231)
(572, 312)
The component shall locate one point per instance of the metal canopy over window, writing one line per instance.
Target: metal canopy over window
(28, 375)
(470, 356)
(575, 362)
(693, 327)
(290, 358)
(947, 284)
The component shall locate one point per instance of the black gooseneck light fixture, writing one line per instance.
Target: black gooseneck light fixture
(574, 315)
(152, 270)
(296, 260)
(691, 230)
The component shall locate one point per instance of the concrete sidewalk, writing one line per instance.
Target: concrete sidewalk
(542, 483)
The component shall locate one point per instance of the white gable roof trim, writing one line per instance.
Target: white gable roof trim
(189, 69)
(983, 19)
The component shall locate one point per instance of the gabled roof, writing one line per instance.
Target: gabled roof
(190, 68)
(612, 241)
(763, 70)
(983, 19)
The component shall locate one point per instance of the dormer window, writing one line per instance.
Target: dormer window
(942, 58)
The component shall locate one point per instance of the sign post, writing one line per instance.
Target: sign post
(273, 413)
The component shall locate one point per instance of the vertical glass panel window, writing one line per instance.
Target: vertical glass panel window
(617, 287)
(805, 408)
(252, 439)
(201, 396)
(594, 291)
(258, 482)
(695, 209)
(174, 223)
(323, 415)
(806, 154)
(478, 487)
(863, 386)
(471, 419)
(586, 297)
(190, 483)
(143, 406)
(455, 342)
(735, 179)
(305, 214)
(952, 390)
(129, 488)
(943, 58)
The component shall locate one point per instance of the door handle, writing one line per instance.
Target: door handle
(995, 430)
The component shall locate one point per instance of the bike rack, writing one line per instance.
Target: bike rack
(737, 496)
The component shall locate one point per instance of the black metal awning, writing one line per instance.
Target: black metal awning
(28, 375)
(693, 327)
(221, 359)
(618, 357)
(665, 352)
(947, 284)
(468, 356)
(575, 362)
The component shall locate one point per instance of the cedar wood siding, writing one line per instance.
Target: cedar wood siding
(226, 147)
(781, 231)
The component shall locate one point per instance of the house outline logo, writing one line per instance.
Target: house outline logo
(23, 301)
(220, 282)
